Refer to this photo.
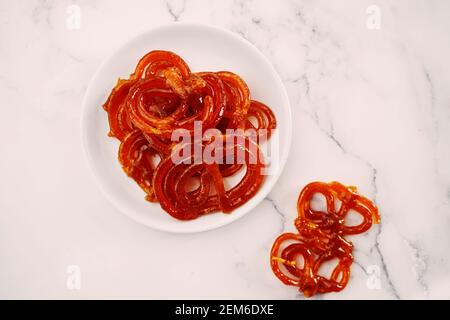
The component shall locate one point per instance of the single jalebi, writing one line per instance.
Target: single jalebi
(320, 238)
(163, 95)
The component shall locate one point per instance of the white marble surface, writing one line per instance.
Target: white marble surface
(371, 107)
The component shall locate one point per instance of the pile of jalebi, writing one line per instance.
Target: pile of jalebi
(163, 95)
(320, 238)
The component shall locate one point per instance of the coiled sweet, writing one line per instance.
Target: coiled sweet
(162, 96)
(320, 238)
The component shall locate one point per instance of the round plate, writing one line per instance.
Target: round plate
(204, 48)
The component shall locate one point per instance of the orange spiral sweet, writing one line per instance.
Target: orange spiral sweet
(320, 238)
(163, 95)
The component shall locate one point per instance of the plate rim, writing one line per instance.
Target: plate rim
(89, 158)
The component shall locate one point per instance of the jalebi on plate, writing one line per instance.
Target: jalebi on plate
(162, 96)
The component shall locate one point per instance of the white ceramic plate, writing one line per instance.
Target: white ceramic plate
(204, 48)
